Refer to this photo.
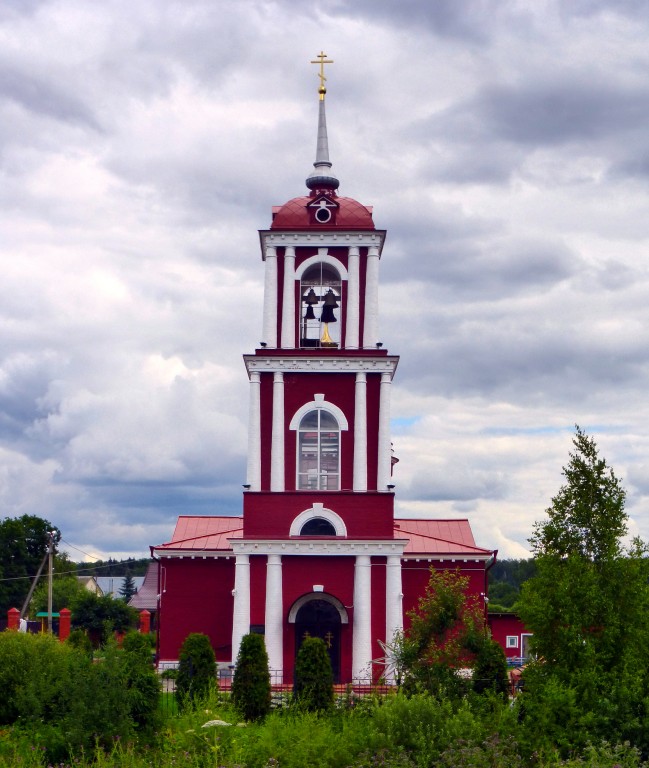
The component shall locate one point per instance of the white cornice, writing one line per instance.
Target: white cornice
(307, 546)
(367, 238)
(316, 364)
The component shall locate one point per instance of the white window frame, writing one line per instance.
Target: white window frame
(511, 641)
(318, 402)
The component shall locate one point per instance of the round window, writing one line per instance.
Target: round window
(323, 215)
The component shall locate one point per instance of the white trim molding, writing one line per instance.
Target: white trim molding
(373, 237)
(319, 546)
(321, 258)
(301, 601)
(316, 512)
(314, 364)
(319, 402)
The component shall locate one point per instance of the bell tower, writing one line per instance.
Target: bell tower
(319, 449)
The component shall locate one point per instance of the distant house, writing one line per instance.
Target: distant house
(146, 597)
(111, 585)
(510, 632)
(90, 583)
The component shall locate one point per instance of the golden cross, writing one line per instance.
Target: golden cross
(328, 638)
(322, 60)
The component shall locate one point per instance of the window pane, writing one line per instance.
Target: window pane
(327, 421)
(310, 421)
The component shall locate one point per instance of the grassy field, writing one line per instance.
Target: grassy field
(376, 732)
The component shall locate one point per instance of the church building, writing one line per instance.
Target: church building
(317, 550)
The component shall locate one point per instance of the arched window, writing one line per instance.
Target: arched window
(317, 526)
(318, 447)
(320, 292)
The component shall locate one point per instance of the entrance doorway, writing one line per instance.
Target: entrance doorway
(319, 618)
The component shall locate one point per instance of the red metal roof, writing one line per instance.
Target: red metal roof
(350, 215)
(426, 537)
(438, 537)
(196, 533)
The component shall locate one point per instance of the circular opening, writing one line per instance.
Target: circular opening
(323, 215)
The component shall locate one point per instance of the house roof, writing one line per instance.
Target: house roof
(426, 537)
(147, 595)
(111, 585)
(438, 537)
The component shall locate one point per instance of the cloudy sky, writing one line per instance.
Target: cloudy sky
(504, 146)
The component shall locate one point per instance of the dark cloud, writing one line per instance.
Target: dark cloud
(44, 98)
(469, 21)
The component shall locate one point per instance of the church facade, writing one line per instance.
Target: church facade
(317, 550)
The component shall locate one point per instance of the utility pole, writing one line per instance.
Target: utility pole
(50, 573)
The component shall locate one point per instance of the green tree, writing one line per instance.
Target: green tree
(23, 544)
(588, 609)
(101, 615)
(196, 669)
(446, 631)
(251, 684)
(314, 682)
(128, 588)
(66, 588)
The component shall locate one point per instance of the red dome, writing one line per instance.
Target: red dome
(295, 215)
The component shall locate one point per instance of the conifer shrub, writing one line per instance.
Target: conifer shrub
(251, 684)
(196, 669)
(490, 669)
(142, 682)
(314, 688)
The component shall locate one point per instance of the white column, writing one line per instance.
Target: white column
(385, 446)
(362, 640)
(360, 433)
(254, 434)
(274, 616)
(277, 440)
(270, 298)
(241, 610)
(393, 600)
(353, 298)
(288, 300)
(371, 323)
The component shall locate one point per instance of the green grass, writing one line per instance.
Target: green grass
(393, 732)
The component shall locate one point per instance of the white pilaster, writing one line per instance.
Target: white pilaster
(270, 298)
(371, 322)
(362, 640)
(385, 446)
(254, 434)
(288, 300)
(274, 616)
(360, 433)
(277, 440)
(353, 299)
(241, 610)
(393, 599)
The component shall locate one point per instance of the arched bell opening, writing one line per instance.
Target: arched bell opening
(320, 306)
(320, 615)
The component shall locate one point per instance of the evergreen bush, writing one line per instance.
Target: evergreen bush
(196, 669)
(314, 689)
(142, 681)
(490, 669)
(251, 684)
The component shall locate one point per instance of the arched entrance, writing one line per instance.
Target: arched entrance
(320, 618)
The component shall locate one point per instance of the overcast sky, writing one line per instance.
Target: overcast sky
(504, 146)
